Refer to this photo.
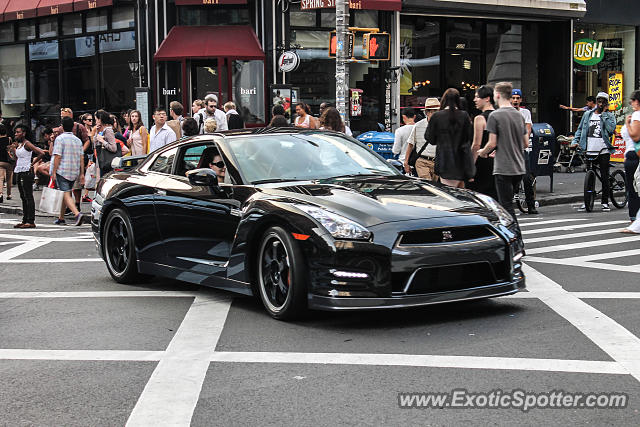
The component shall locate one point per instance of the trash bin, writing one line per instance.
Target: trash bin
(543, 151)
(380, 142)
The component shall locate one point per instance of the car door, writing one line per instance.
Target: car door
(197, 223)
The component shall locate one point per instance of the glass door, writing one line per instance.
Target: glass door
(210, 76)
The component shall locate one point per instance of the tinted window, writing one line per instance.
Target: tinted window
(191, 159)
(164, 162)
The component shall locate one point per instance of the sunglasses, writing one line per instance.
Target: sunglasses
(219, 164)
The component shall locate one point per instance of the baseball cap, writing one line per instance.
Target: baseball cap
(516, 92)
(211, 96)
(432, 104)
(602, 95)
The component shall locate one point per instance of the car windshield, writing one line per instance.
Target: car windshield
(304, 156)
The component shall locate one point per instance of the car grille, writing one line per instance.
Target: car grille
(445, 235)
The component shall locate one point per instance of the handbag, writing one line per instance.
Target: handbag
(105, 157)
(415, 155)
(51, 200)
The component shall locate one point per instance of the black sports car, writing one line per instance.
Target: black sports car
(302, 219)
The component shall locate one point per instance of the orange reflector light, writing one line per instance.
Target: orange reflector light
(300, 236)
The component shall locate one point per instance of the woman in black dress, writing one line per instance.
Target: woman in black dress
(483, 181)
(450, 131)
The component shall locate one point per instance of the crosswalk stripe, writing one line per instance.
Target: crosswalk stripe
(570, 236)
(553, 221)
(573, 227)
(570, 262)
(608, 255)
(581, 245)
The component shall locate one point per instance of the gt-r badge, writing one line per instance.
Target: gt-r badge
(447, 235)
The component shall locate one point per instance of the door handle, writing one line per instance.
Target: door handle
(161, 192)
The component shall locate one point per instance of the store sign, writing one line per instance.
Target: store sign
(588, 52)
(395, 5)
(288, 61)
(619, 144)
(109, 42)
(40, 51)
(615, 80)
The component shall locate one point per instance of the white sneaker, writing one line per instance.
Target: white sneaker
(583, 207)
(605, 207)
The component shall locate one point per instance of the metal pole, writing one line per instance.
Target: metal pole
(342, 66)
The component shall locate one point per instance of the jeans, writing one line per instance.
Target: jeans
(603, 162)
(631, 161)
(25, 186)
(505, 186)
(6, 174)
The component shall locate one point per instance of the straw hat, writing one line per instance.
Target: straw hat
(432, 104)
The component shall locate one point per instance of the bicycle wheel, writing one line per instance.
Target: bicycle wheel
(521, 199)
(619, 195)
(589, 190)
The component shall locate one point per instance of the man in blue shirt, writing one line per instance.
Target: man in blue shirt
(68, 165)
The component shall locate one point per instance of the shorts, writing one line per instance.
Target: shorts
(63, 184)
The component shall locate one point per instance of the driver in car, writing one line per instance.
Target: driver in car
(212, 159)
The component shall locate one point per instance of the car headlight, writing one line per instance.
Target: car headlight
(504, 216)
(339, 226)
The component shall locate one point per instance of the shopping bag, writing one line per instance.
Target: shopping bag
(51, 201)
(636, 180)
(90, 177)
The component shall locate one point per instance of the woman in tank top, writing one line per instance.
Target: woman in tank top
(138, 135)
(483, 182)
(304, 119)
(23, 151)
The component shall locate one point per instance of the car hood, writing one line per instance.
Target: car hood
(375, 200)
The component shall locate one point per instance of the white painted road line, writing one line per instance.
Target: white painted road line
(413, 360)
(571, 235)
(606, 295)
(610, 336)
(569, 262)
(171, 395)
(607, 255)
(47, 261)
(7, 255)
(116, 355)
(99, 294)
(572, 227)
(582, 245)
(552, 221)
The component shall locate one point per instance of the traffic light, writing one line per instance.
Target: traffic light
(376, 46)
(333, 44)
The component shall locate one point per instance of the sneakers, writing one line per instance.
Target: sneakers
(60, 222)
(582, 208)
(79, 218)
(87, 199)
(68, 212)
(605, 207)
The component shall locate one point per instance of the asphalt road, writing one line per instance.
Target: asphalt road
(78, 349)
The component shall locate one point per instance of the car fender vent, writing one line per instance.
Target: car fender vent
(445, 235)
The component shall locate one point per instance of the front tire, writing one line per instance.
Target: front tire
(119, 247)
(589, 190)
(617, 185)
(281, 278)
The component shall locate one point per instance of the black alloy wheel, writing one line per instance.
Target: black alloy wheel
(119, 247)
(619, 194)
(281, 275)
(589, 190)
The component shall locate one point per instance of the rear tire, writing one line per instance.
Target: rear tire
(617, 184)
(281, 275)
(589, 190)
(119, 247)
(521, 201)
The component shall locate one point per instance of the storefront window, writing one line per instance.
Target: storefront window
(123, 17)
(327, 18)
(364, 18)
(43, 79)
(613, 71)
(205, 15)
(117, 85)
(248, 90)
(6, 33)
(504, 53)
(97, 20)
(13, 78)
(72, 23)
(419, 60)
(306, 18)
(169, 83)
(79, 74)
(48, 27)
(316, 74)
(26, 30)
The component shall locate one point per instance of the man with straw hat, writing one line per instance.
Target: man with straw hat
(425, 165)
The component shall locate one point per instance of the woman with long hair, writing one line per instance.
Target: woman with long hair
(304, 118)
(137, 141)
(483, 182)
(451, 132)
(331, 120)
(105, 139)
(630, 133)
(126, 119)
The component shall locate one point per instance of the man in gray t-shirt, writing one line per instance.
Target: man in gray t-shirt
(508, 136)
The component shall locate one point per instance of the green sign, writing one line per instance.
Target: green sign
(588, 52)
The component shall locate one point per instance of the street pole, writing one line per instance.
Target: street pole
(342, 66)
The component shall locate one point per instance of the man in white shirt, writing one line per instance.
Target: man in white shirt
(527, 179)
(211, 111)
(425, 165)
(161, 134)
(401, 138)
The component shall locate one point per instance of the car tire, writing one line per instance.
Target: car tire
(281, 275)
(119, 247)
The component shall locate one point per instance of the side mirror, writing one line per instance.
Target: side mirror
(204, 177)
(396, 164)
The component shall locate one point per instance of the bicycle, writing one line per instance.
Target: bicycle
(520, 198)
(616, 185)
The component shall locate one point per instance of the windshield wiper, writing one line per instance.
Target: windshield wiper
(353, 175)
(272, 180)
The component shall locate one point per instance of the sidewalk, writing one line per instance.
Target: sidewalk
(567, 188)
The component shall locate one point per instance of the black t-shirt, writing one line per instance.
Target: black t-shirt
(4, 144)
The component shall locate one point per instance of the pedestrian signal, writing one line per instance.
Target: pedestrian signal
(333, 45)
(376, 46)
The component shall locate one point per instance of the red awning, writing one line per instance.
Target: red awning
(53, 7)
(394, 5)
(3, 6)
(208, 2)
(90, 4)
(20, 9)
(236, 41)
